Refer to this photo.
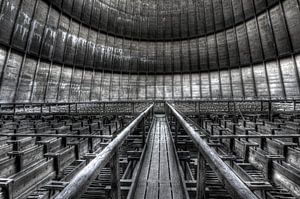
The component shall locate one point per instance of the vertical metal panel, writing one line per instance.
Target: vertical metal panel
(292, 15)
(212, 52)
(75, 85)
(200, 16)
(150, 87)
(168, 87)
(26, 81)
(96, 86)
(248, 82)
(237, 10)
(50, 34)
(91, 49)
(159, 87)
(203, 53)
(260, 5)
(132, 87)
(71, 44)
(124, 87)
(215, 85)
(218, 15)
(274, 79)
(194, 53)
(205, 85)
(254, 41)
(195, 85)
(96, 11)
(53, 83)
(248, 8)
(105, 86)
(86, 16)
(81, 46)
(67, 6)
(85, 87)
(114, 91)
(186, 86)
(64, 87)
(61, 38)
(260, 79)
(243, 45)
(226, 85)
(8, 14)
(177, 56)
(39, 87)
(228, 13)
(289, 77)
(297, 60)
(177, 86)
(77, 8)
(3, 54)
(232, 48)
(10, 75)
(23, 22)
(209, 15)
(236, 83)
(281, 35)
(168, 57)
(266, 32)
(222, 50)
(37, 27)
(141, 82)
(185, 56)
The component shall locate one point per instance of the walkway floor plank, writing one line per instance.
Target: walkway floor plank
(159, 177)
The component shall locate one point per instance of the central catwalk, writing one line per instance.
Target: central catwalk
(160, 176)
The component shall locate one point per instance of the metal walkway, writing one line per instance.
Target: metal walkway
(159, 176)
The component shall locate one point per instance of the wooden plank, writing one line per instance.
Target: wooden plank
(175, 178)
(201, 177)
(164, 179)
(142, 181)
(159, 177)
(152, 185)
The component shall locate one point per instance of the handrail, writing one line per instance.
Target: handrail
(82, 180)
(232, 182)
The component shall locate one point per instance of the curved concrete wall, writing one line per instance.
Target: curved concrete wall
(162, 20)
(51, 51)
(25, 79)
(38, 29)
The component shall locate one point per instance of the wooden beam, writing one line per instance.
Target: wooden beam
(201, 177)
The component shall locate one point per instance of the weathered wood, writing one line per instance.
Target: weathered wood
(235, 185)
(82, 180)
(201, 177)
(115, 176)
(159, 177)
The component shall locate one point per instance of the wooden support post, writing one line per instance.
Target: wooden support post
(132, 104)
(143, 131)
(201, 177)
(270, 111)
(176, 132)
(14, 109)
(109, 129)
(115, 175)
